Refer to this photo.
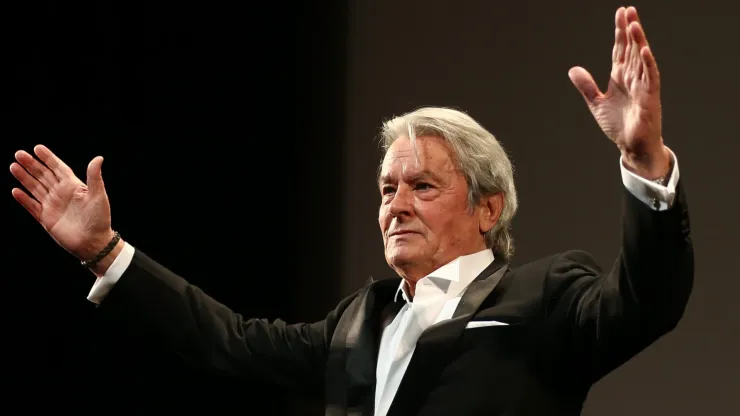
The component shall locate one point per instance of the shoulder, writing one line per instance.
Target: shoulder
(555, 265)
(573, 260)
(364, 302)
(372, 291)
(553, 275)
(528, 290)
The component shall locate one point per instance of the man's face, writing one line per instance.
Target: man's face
(424, 213)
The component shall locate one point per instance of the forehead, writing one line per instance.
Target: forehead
(426, 153)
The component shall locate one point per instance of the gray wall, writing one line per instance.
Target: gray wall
(506, 64)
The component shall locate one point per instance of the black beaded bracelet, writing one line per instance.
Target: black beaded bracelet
(104, 252)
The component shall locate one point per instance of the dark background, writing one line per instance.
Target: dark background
(240, 152)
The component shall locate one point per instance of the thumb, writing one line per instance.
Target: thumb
(585, 84)
(95, 175)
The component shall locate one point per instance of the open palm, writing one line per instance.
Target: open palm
(629, 112)
(71, 211)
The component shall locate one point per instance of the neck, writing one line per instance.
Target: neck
(411, 287)
(413, 272)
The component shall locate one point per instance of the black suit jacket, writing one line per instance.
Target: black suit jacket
(569, 325)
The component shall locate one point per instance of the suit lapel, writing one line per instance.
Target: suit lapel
(352, 361)
(430, 355)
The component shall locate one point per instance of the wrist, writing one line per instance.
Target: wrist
(94, 245)
(101, 267)
(100, 250)
(654, 165)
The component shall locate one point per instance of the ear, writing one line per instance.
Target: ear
(489, 211)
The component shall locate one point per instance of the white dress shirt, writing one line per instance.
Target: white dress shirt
(435, 300)
(437, 294)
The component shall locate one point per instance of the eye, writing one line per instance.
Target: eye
(422, 186)
(387, 190)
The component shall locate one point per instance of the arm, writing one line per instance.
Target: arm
(157, 303)
(610, 318)
(151, 299)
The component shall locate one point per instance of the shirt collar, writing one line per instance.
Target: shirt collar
(462, 270)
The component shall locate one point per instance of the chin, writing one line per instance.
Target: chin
(398, 257)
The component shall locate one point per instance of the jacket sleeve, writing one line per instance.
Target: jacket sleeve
(609, 318)
(155, 303)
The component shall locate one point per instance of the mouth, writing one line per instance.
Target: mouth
(402, 232)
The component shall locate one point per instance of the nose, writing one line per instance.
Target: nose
(402, 204)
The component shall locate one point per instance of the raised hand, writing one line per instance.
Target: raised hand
(75, 214)
(630, 111)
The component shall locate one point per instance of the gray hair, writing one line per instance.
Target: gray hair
(479, 157)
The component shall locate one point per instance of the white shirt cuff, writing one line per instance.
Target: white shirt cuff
(657, 197)
(103, 285)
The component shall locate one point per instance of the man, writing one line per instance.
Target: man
(460, 332)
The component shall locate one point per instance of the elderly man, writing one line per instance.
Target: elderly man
(460, 331)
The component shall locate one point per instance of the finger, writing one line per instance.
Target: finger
(619, 24)
(620, 46)
(638, 35)
(633, 60)
(620, 35)
(95, 175)
(631, 15)
(640, 43)
(651, 69)
(59, 168)
(614, 49)
(36, 168)
(30, 204)
(585, 84)
(634, 67)
(28, 181)
(627, 48)
(620, 18)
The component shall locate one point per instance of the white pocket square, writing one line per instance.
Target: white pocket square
(481, 324)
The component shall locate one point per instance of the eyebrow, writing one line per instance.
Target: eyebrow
(419, 176)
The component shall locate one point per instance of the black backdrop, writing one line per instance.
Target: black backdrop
(220, 127)
(239, 153)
